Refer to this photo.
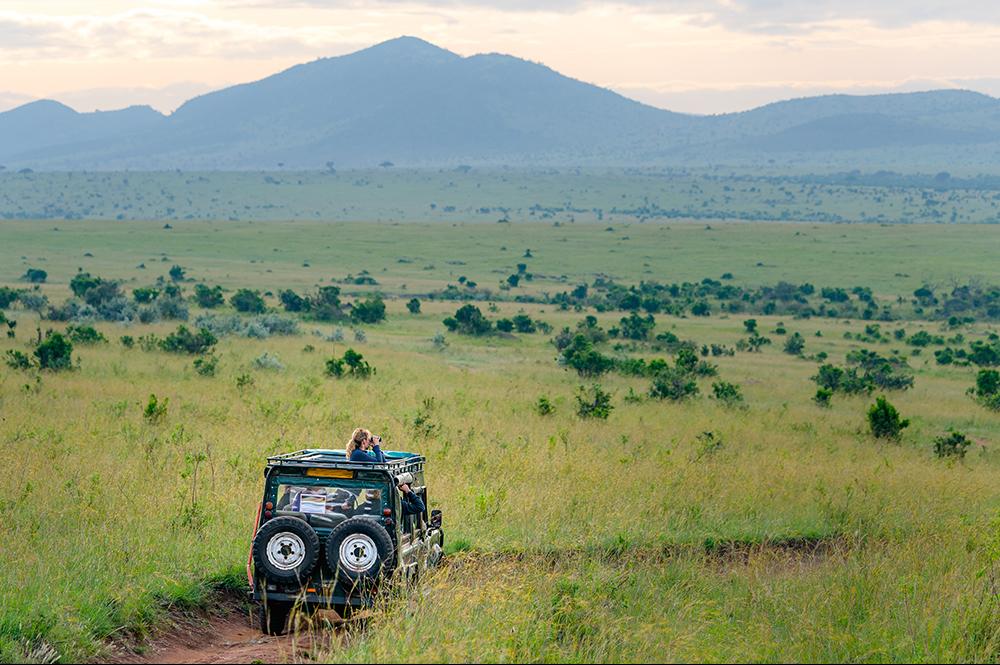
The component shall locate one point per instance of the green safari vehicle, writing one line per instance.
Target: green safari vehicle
(330, 533)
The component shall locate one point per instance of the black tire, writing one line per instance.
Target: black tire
(366, 566)
(273, 617)
(294, 534)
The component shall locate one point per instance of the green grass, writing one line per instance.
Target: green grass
(491, 194)
(617, 540)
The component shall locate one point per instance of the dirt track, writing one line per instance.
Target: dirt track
(229, 636)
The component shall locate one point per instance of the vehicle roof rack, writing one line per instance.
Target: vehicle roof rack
(396, 461)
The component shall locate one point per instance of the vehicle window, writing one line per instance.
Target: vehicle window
(319, 500)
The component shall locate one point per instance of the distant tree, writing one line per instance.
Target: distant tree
(55, 353)
(208, 297)
(795, 344)
(636, 327)
(593, 402)
(513, 280)
(884, 421)
(35, 276)
(371, 310)
(750, 325)
(292, 302)
(145, 294)
(8, 296)
(184, 341)
(505, 325)
(325, 305)
(469, 320)
(413, 306)
(83, 282)
(245, 300)
(177, 273)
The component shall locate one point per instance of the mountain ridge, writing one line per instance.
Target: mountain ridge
(413, 103)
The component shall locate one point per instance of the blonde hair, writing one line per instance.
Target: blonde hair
(358, 437)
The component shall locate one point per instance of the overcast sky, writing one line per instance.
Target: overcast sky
(699, 56)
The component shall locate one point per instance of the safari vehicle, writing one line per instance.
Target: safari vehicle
(331, 534)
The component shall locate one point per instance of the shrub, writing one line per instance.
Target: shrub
(884, 421)
(413, 306)
(85, 335)
(184, 341)
(207, 365)
(439, 341)
(145, 294)
(292, 302)
(371, 310)
(325, 305)
(987, 390)
(248, 302)
(176, 273)
(505, 325)
(18, 360)
(673, 384)
(953, 444)
(727, 393)
(544, 407)
(8, 296)
(35, 275)
(261, 326)
(469, 320)
(795, 344)
(127, 341)
(55, 353)
(208, 297)
(593, 402)
(585, 359)
(172, 307)
(155, 410)
(83, 282)
(352, 365)
(822, 397)
(34, 302)
(244, 381)
(524, 324)
(750, 325)
(268, 361)
(636, 327)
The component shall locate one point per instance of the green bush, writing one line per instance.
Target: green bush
(953, 444)
(987, 390)
(469, 320)
(585, 359)
(292, 302)
(184, 341)
(795, 344)
(35, 275)
(85, 335)
(8, 296)
(247, 301)
(413, 306)
(727, 393)
(351, 365)
(593, 402)
(18, 360)
(505, 325)
(822, 397)
(371, 310)
(83, 282)
(544, 407)
(208, 297)
(673, 384)
(145, 294)
(155, 410)
(55, 353)
(884, 421)
(206, 366)
(127, 341)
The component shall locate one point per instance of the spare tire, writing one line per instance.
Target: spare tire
(285, 549)
(360, 550)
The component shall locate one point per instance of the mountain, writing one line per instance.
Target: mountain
(409, 102)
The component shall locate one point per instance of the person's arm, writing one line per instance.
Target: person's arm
(378, 454)
(412, 504)
(363, 456)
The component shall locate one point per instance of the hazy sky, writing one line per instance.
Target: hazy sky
(702, 56)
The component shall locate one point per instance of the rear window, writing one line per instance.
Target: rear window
(320, 500)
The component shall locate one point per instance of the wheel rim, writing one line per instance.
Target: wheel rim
(285, 550)
(358, 553)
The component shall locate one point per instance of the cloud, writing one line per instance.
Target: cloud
(758, 16)
(154, 33)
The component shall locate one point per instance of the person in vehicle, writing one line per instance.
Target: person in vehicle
(365, 447)
(412, 503)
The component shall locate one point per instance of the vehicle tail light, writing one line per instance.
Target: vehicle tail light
(387, 512)
(267, 514)
(268, 506)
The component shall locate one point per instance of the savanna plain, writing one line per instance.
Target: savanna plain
(596, 508)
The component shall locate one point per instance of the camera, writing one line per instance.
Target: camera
(404, 479)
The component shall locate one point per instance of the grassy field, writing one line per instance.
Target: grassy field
(789, 533)
(492, 194)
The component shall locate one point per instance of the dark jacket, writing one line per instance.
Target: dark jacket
(412, 504)
(374, 455)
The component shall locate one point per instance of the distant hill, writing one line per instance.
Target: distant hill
(411, 103)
